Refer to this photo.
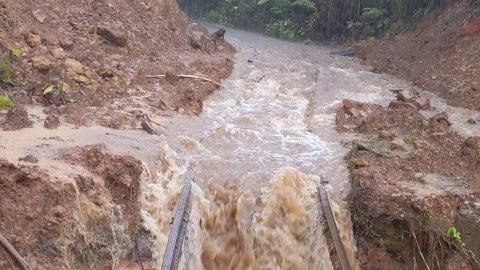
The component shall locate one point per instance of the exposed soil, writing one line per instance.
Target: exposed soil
(96, 55)
(441, 55)
(85, 63)
(411, 177)
(79, 221)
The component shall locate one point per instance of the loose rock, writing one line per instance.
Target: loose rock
(33, 40)
(422, 103)
(400, 104)
(471, 121)
(41, 63)
(399, 144)
(349, 104)
(66, 42)
(29, 159)
(58, 53)
(360, 162)
(355, 112)
(363, 113)
(52, 122)
(39, 15)
(114, 34)
(17, 118)
(441, 117)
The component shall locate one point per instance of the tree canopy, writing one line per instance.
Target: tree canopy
(311, 19)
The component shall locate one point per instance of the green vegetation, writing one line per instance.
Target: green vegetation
(15, 52)
(5, 102)
(311, 19)
(454, 234)
(5, 70)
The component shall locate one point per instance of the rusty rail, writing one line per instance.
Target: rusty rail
(333, 229)
(173, 251)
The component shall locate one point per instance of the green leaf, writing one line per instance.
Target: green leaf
(15, 52)
(5, 102)
(60, 86)
(48, 90)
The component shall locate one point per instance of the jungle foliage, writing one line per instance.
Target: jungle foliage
(311, 19)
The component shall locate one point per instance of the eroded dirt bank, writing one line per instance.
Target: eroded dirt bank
(72, 200)
(413, 179)
(441, 55)
(85, 219)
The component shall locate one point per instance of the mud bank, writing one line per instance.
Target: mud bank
(413, 180)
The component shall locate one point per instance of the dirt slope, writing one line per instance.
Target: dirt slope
(101, 52)
(441, 55)
(412, 180)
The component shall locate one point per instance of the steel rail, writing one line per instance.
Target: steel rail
(173, 250)
(333, 229)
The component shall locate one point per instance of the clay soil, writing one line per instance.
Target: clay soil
(96, 55)
(412, 179)
(441, 54)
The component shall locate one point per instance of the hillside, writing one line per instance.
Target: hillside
(441, 55)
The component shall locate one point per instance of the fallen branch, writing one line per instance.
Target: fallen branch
(186, 76)
(4, 242)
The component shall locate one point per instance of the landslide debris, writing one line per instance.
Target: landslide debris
(100, 52)
(413, 180)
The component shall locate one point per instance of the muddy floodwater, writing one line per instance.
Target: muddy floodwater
(258, 152)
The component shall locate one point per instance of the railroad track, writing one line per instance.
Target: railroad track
(173, 250)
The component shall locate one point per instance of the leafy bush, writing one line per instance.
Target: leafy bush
(375, 20)
(285, 29)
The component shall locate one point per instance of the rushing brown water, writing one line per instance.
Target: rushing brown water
(258, 152)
